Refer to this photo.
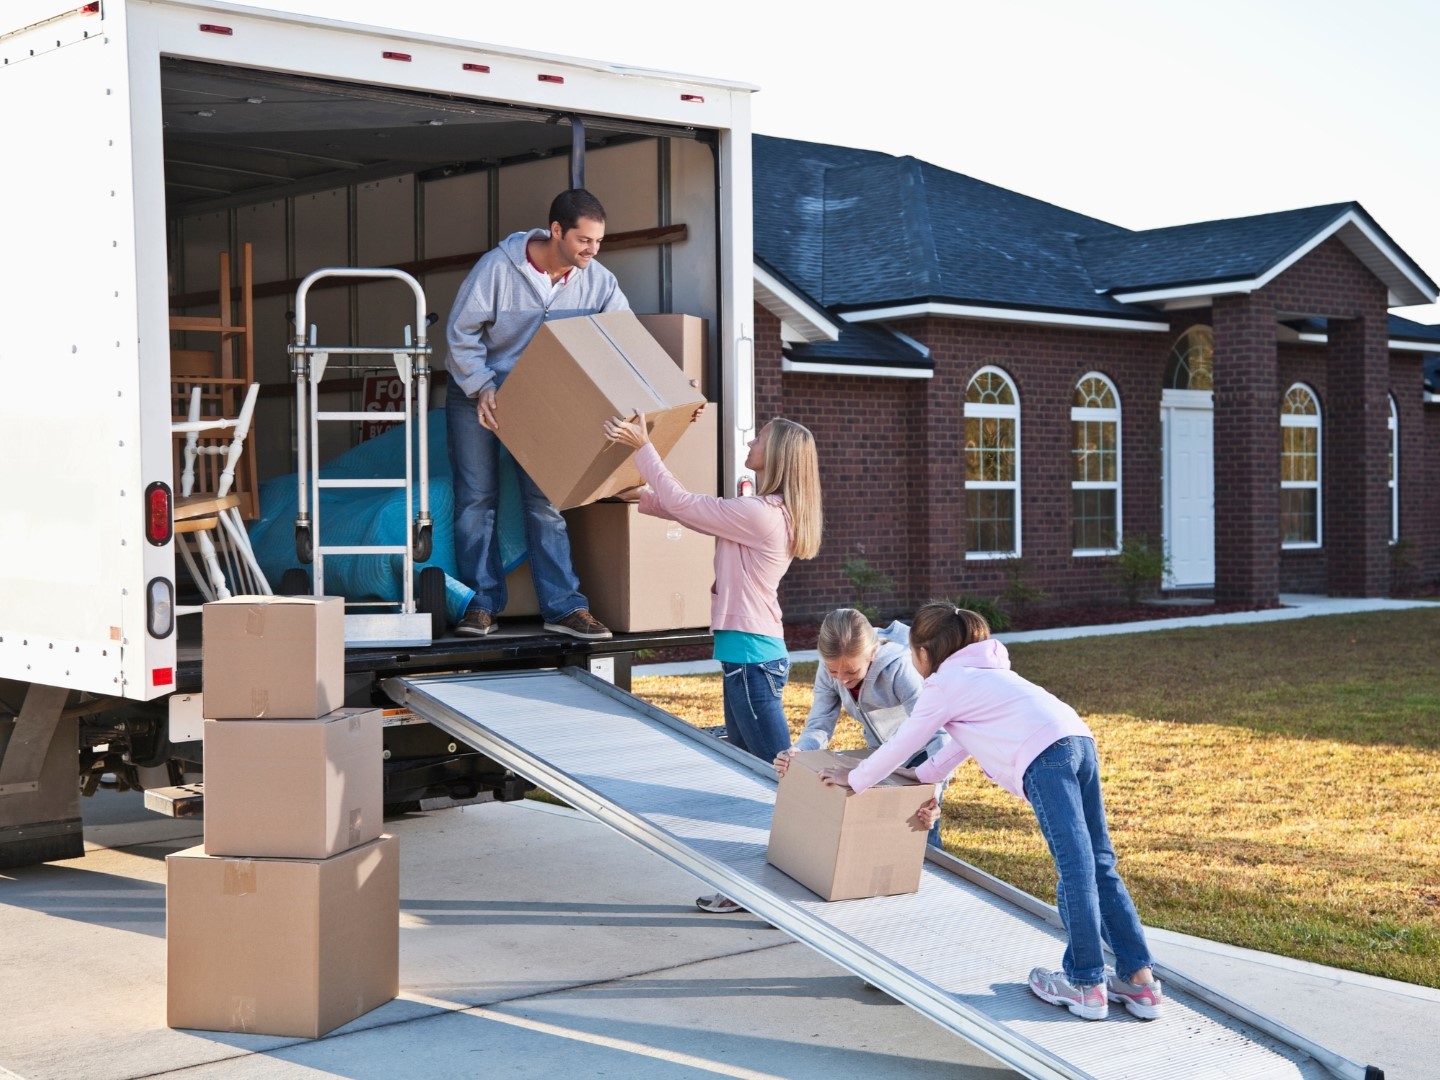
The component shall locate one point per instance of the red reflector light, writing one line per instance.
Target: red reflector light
(162, 676)
(90, 9)
(484, 69)
(551, 78)
(158, 524)
(212, 28)
(396, 56)
(698, 98)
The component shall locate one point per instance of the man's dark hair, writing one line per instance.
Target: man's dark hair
(570, 206)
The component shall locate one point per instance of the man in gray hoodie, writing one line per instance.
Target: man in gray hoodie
(531, 277)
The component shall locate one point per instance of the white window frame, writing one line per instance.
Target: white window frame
(1394, 425)
(1090, 414)
(980, 410)
(1317, 485)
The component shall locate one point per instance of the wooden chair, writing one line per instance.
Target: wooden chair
(207, 508)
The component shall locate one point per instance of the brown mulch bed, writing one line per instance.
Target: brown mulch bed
(800, 636)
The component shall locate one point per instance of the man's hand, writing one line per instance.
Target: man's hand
(485, 409)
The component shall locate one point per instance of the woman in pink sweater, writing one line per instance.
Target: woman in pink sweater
(756, 536)
(1035, 746)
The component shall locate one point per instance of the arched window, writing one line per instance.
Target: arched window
(1300, 468)
(992, 465)
(1095, 466)
(1394, 425)
(1192, 361)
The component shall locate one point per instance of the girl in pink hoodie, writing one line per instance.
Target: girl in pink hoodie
(756, 536)
(1035, 746)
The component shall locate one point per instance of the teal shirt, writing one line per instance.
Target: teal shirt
(738, 647)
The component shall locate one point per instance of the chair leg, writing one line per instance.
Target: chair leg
(212, 566)
(239, 544)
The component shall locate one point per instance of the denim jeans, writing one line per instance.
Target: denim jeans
(1063, 786)
(754, 714)
(475, 473)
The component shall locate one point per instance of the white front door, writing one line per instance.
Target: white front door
(1187, 423)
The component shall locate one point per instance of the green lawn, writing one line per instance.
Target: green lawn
(1271, 785)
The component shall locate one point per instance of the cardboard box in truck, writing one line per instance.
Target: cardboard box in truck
(576, 374)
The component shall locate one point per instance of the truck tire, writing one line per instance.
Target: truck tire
(431, 599)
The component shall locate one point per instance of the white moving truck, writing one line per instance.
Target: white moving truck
(147, 137)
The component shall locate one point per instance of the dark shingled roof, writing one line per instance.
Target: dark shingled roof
(1409, 330)
(860, 229)
(1208, 252)
(863, 343)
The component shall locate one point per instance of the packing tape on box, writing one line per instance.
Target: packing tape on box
(356, 826)
(239, 877)
(638, 373)
(255, 621)
(242, 1013)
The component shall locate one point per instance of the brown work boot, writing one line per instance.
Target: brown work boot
(476, 623)
(580, 623)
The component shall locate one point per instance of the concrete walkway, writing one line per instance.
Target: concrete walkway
(535, 942)
(1294, 606)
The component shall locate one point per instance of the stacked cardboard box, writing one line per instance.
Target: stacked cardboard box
(844, 846)
(286, 920)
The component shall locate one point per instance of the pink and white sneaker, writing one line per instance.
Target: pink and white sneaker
(1140, 999)
(1086, 1002)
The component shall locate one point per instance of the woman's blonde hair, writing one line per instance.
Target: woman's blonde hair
(845, 633)
(941, 629)
(792, 470)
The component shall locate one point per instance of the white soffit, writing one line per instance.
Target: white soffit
(1378, 255)
(873, 370)
(1415, 346)
(1014, 315)
(805, 321)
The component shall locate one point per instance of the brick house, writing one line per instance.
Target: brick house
(990, 377)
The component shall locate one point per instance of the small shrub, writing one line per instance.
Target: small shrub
(1139, 568)
(864, 579)
(992, 612)
(1019, 593)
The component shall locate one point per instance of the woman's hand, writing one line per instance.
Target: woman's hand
(836, 777)
(627, 432)
(929, 813)
(782, 762)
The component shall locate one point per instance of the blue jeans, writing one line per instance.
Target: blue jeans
(1063, 786)
(754, 714)
(475, 473)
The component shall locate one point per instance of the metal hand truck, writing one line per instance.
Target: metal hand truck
(409, 626)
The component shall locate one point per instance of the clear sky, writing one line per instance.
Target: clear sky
(1139, 112)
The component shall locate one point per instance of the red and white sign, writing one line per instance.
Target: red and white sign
(382, 394)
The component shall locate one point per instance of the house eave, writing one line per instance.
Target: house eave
(805, 321)
(1001, 314)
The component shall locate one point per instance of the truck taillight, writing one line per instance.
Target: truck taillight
(159, 526)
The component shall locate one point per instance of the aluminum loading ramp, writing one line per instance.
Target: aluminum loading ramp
(956, 951)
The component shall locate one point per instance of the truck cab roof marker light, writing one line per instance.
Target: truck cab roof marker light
(698, 99)
(389, 54)
(483, 69)
(551, 78)
(215, 28)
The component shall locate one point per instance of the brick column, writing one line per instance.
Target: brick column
(1247, 451)
(1354, 451)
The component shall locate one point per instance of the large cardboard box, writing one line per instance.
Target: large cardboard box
(639, 572)
(695, 459)
(573, 376)
(844, 846)
(280, 657)
(294, 789)
(291, 947)
(520, 597)
(684, 338)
